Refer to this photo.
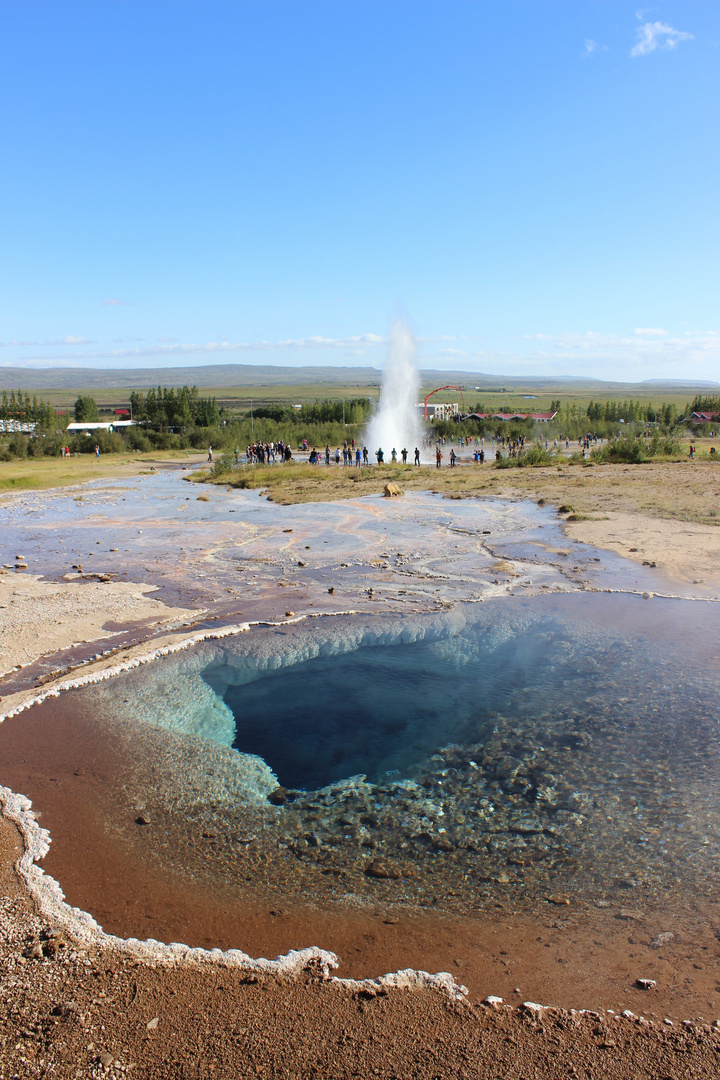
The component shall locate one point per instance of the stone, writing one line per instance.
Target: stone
(383, 871)
(665, 938)
(152, 1024)
(646, 984)
(301, 563)
(106, 1059)
(392, 491)
(142, 819)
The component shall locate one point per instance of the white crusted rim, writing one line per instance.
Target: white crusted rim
(106, 673)
(82, 927)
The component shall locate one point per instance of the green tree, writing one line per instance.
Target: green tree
(86, 410)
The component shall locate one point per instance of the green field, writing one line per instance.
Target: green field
(515, 398)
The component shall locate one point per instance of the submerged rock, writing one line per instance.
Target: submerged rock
(383, 871)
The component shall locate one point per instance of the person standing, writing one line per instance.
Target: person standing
(404, 454)
(438, 457)
(417, 457)
(209, 453)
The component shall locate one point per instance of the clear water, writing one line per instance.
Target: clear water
(382, 710)
(555, 743)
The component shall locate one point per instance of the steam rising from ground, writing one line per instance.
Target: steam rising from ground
(397, 421)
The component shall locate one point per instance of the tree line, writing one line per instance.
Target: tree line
(20, 407)
(632, 412)
(356, 410)
(164, 407)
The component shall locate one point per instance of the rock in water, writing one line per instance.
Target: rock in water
(383, 871)
(392, 490)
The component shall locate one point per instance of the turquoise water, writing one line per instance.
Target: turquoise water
(508, 749)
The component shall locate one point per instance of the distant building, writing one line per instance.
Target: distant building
(540, 417)
(11, 426)
(441, 411)
(704, 417)
(97, 425)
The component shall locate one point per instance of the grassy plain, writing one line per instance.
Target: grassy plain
(516, 396)
(36, 474)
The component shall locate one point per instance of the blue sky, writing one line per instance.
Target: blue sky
(534, 185)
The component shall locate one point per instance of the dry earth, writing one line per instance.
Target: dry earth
(39, 618)
(75, 1013)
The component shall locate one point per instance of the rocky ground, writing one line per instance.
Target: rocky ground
(74, 1014)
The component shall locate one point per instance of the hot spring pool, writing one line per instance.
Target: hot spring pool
(564, 744)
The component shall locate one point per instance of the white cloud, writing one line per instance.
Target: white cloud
(592, 47)
(112, 302)
(657, 35)
(359, 343)
(643, 348)
(70, 339)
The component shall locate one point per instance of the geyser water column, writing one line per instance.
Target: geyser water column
(396, 424)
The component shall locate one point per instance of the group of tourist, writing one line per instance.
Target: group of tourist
(266, 453)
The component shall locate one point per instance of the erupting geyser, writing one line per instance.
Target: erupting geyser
(396, 424)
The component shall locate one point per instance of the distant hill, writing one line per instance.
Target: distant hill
(246, 376)
(226, 375)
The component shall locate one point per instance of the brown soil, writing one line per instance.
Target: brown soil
(71, 1013)
(575, 954)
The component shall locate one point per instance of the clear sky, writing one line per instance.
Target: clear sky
(534, 184)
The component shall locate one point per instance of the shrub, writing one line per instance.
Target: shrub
(223, 465)
(632, 450)
(534, 456)
(628, 449)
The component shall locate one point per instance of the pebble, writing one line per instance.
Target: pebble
(152, 1024)
(383, 871)
(665, 938)
(646, 984)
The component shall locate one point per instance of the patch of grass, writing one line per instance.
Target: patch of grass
(36, 474)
